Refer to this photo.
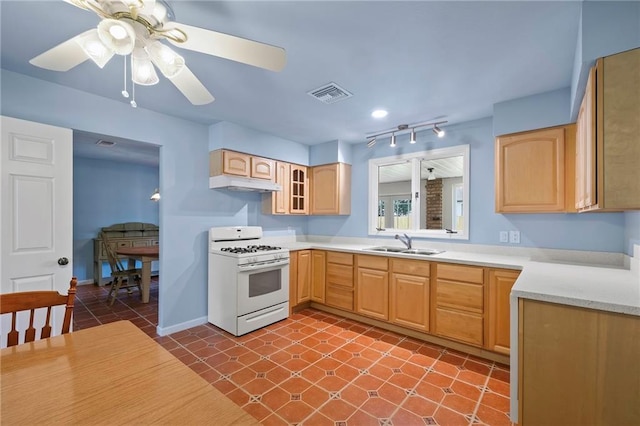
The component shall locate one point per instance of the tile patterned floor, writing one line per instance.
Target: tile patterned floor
(319, 369)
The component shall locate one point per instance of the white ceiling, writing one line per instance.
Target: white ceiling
(417, 59)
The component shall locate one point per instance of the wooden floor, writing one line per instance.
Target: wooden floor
(315, 368)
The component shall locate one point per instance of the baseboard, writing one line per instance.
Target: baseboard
(163, 331)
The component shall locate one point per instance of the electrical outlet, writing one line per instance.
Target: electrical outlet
(514, 237)
(504, 237)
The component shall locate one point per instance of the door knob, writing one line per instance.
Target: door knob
(63, 261)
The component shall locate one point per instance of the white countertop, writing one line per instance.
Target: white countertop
(605, 288)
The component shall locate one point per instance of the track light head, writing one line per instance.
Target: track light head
(412, 138)
(438, 131)
(392, 143)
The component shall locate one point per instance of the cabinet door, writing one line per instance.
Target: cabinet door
(318, 267)
(500, 283)
(373, 293)
(586, 147)
(331, 189)
(304, 276)
(530, 172)
(263, 168)
(236, 163)
(277, 202)
(298, 190)
(409, 301)
(293, 280)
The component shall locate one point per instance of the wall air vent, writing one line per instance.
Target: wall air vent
(106, 144)
(330, 93)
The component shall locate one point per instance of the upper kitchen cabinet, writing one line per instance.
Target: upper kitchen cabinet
(608, 136)
(331, 189)
(535, 171)
(225, 162)
(299, 189)
(278, 202)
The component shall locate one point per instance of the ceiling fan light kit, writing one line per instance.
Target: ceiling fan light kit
(135, 27)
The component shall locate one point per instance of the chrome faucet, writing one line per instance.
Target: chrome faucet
(406, 240)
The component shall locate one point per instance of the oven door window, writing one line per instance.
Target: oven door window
(262, 283)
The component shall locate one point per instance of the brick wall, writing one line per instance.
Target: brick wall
(434, 204)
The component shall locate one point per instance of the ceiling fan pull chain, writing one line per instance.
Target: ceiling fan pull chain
(124, 92)
(133, 98)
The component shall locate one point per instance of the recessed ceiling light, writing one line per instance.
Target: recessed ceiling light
(379, 113)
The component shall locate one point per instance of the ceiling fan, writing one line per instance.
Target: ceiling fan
(136, 28)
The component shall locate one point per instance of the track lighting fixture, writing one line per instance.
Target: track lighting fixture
(403, 129)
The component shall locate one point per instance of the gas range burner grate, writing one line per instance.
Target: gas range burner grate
(250, 249)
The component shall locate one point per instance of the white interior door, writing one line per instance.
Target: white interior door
(35, 209)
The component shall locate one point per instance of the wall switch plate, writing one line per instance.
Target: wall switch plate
(514, 237)
(504, 237)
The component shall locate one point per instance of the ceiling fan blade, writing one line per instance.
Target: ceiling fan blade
(231, 47)
(76, 4)
(62, 57)
(191, 87)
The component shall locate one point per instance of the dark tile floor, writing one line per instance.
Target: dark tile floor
(316, 368)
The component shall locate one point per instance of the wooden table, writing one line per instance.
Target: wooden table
(110, 374)
(146, 255)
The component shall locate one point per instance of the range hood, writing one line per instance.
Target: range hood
(238, 183)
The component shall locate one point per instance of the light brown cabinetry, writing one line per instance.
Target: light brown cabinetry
(303, 285)
(293, 280)
(225, 162)
(608, 137)
(339, 280)
(500, 283)
(318, 269)
(299, 189)
(535, 171)
(577, 366)
(277, 202)
(372, 286)
(459, 303)
(331, 189)
(409, 293)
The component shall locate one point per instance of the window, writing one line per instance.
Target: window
(424, 194)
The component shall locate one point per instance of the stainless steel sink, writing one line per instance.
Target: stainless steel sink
(401, 250)
(386, 249)
(424, 252)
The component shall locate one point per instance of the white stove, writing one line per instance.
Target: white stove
(248, 280)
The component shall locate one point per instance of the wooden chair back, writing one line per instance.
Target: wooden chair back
(32, 300)
(114, 261)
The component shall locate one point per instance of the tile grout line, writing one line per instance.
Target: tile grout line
(484, 389)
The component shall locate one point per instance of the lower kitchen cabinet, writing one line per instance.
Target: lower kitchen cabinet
(577, 366)
(339, 280)
(372, 286)
(409, 293)
(459, 304)
(318, 261)
(293, 280)
(500, 283)
(303, 275)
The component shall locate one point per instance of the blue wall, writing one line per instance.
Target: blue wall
(105, 193)
(532, 112)
(594, 231)
(632, 231)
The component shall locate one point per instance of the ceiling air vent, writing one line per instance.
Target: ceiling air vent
(106, 144)
(330, 93)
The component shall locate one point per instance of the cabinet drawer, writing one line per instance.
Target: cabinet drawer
(462, 326)
(410, 267)
(471, 274)
(340, 275)
(339, 297)
(123, 244)
(140, 243)
(463, 296)
(373, 262)
(341, 258)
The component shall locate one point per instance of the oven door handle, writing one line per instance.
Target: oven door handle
(276, 264)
